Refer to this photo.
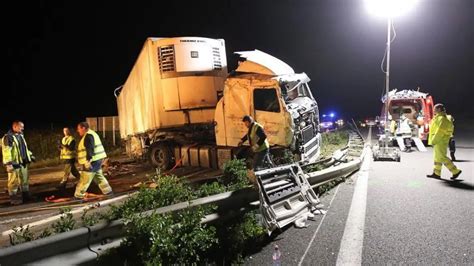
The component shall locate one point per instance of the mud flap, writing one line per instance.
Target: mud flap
(285, 196)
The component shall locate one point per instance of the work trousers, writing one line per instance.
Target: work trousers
(440, 159)
(70, 168)
(18, 177)
(259, 159)
(94, 174)
(452, 145)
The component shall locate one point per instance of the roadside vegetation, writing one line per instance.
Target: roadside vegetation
(180, 237)
(332, 141)
(171, 238)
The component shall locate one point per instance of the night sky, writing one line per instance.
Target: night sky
(64, 58)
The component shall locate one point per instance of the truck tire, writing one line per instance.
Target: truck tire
(160, 155)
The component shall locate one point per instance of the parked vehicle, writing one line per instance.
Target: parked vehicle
(414, 105)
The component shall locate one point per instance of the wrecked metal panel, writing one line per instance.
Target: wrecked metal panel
(263, 63)
(299, 77)
(285, 196)
(238, 101)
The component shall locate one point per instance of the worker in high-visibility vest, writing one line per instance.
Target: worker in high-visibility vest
(90, 153)
(441, 130)
(258, 142)
(68, 157)
(452, 142)
(16, 158)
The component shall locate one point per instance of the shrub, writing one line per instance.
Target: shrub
(169, 190)
(91, 219)
(209, 189)
(21, 234)
(235, 174)
(66, 222)
(239, 237)
(178, 238)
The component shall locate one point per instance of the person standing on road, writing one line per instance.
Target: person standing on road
(68, 157)
(257, 140)
(452, 142)
(90, 154)
(16, 158)
(441, 130)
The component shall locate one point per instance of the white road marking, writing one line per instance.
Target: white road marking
(319, 226)
(350, 251)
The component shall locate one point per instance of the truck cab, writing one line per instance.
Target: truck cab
(278, 98)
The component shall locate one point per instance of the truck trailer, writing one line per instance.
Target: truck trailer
(179, 105)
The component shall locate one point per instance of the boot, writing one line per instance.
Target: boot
(15, 200)
(62, 186)
(433, 175)
(27, 196)
(456, 175)
(453, 158)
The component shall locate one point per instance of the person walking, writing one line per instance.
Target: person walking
(16, 158)
(441, 130)
(90, 154)
(68, 157)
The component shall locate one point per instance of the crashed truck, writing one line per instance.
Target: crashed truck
(409, 116)
(180, 106)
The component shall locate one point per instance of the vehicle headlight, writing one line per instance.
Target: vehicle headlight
(302, 124)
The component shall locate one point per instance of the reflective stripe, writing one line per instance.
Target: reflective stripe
(65, 152)
(11, 154)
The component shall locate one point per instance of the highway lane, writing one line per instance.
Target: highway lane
(412, 219)
(409, 219)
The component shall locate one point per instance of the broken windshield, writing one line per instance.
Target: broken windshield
(293, 90)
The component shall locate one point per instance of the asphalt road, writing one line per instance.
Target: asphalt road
(399, 217)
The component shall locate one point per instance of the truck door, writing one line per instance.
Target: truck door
(269, 110)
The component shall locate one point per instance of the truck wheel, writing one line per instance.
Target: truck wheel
(160, 156)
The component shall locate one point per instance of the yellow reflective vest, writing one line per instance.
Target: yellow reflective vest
(253, 138)
(66, 153)
(99, 151)
(11, 154)
(441, 129)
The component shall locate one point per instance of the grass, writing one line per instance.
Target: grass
(332, 141)
(171, 238)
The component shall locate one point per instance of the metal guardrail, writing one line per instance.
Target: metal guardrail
(76, 242)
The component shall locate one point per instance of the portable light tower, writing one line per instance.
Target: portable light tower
(388, 9)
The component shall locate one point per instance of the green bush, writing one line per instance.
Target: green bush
(169, 190)
(239, 237)
(91, 219)
(235, 174)
(162, 239)
(21, 234)
(66, 222)
(209, 189)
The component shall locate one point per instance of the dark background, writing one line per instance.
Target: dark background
(64, 58)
